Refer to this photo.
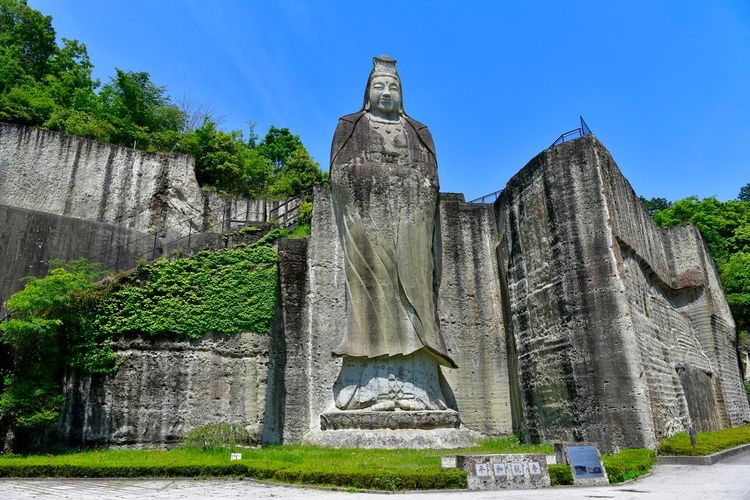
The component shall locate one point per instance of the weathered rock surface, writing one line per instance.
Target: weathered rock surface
(147, 192)
(471, 314)
(313, 301)
(620, 329)
(29, 239)
(163, 389)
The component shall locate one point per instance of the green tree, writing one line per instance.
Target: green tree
(27, 36)
(294, 169)
(298, 173)
(744, 193)
(278, 145)
(258, 172)
(38, 336)
(38, 79)
(654, 204)
(140, 111)
(221, 158)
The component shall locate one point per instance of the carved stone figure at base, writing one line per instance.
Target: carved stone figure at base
(385, 188)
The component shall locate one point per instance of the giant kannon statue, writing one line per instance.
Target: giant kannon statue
(385, 191)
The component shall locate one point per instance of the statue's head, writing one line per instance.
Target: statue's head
(383, 93)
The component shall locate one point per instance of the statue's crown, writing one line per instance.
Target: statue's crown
(384, 65)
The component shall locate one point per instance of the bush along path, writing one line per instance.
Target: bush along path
(348, 468)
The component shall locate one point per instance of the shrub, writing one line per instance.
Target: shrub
(218, 437)
(560, 474)
(628, 464)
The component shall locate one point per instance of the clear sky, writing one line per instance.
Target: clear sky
(665, 85)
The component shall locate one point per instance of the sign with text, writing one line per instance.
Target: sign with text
(585, 462)
(235, 456)
(494, 472)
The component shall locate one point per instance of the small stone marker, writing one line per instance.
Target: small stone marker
(448, 462)
(235, 456)
(693, 434)
(585, 463)
(495, 472)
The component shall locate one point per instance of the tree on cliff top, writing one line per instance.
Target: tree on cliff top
(49, 86)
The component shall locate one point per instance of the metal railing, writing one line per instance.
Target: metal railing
(488, 198)
(567, 136)
(121, 257)
(284, 215)
(289, 217)
(573, 134)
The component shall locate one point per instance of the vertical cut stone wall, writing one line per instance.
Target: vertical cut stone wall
(29, 239)
(77, 177)
(471, 316)
(619, 328)
(163, 389)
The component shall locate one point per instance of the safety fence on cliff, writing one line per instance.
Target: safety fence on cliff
(576, 133)
(149, 248)
(222, 234)
(573, 134)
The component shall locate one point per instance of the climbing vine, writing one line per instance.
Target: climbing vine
(64, 321)
(219, 292)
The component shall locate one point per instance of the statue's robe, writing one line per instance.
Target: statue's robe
(385, 193)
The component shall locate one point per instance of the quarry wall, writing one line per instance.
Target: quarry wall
(570, 314)
(620, 330)
(96, 181)
(30, 238)
(165, 388)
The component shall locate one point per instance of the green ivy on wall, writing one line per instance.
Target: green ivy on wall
(218, 292)
(64, 321)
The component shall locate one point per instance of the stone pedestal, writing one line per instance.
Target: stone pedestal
(394, 420)
(391, 429)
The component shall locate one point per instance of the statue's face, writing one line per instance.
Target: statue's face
(385, 95)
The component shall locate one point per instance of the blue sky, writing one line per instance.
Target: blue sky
(665, 85)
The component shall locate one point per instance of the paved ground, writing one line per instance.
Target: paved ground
(727, 480)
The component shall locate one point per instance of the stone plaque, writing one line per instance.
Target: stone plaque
(498, 469)
(448, 462)
(482, 470)
(517, 468)
(534, 468)
(585, 463)
(495, 472)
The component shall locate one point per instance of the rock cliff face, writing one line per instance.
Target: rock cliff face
(163, 389)
(314, 315)
(471, 315)
(569, 313)
(77, 177)
(620, 332)
(29, 239)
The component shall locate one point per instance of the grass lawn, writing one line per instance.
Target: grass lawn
(707, 442)
(352, 468)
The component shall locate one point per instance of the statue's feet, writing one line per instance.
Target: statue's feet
(387, 405)
(410, 404)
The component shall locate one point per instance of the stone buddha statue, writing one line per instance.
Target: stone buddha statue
(385, 190)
